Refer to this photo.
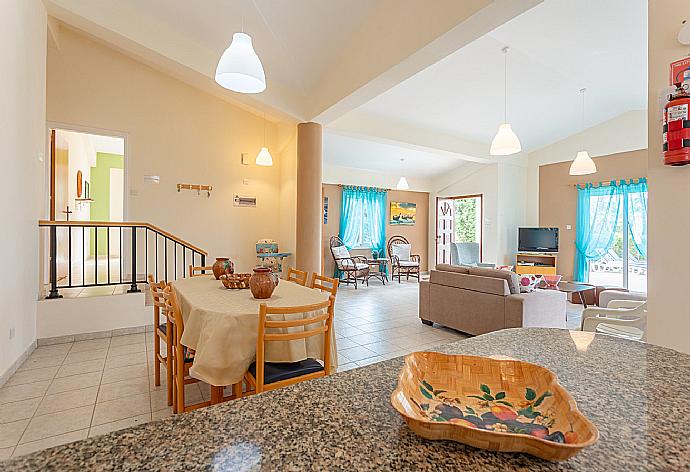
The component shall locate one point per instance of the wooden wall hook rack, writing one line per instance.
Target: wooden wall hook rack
(198, 188)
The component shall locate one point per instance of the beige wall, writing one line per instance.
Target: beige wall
(558, 197)
(185, 136)
(669, 192)
(22, 133)
(417, 234)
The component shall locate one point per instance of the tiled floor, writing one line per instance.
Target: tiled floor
(66, 392)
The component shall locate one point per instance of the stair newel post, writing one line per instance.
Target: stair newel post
(53, 264)
(133, 288)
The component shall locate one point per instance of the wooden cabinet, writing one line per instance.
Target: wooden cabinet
(543, 264)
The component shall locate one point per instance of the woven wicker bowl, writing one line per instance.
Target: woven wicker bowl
(499, 405)
(236, 281)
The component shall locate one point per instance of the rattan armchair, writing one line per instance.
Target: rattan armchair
(408, 268)
(352, 268)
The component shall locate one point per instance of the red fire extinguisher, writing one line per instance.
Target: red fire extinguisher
(677, 127)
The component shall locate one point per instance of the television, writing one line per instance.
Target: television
(538, 239)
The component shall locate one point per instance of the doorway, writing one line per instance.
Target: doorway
(87, 183)
(458, 220)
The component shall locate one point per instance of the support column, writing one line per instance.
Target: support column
(309, 168)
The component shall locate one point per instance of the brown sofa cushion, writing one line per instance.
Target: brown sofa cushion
(492, 285)
(453, 268)
(510, 277)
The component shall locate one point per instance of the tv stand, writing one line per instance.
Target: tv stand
(535, 263)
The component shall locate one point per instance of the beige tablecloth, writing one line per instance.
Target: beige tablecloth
(221, 325)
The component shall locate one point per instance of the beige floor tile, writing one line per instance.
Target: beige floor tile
(53, 350)
(5, 452)
(20, 410)
(23, 392)
(369, 361)
(126, 349)
(90, 345)
(346, 367)
(138, 338)
(357, 353)
(349, 331)
(346, 343)
(67, 400)
(80, 368)
(382, 347)
(52, 441)
(74, 382)
(160, 414)
(10, 433)
(123, 388)
(83, 356)
(123, 373)
(137, 358)
(119, 424)
(53, 424)
(41, 362)
(32, 376)
(367, 338)
(192, 394)
(121, 408)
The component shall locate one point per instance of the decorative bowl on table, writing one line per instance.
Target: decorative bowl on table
(236, 281)
(552, 280)
(495, 404)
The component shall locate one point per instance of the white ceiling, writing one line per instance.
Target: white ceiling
(557, 48)
(296, 41)
(358, 153)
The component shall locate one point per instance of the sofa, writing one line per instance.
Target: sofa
(478, 300)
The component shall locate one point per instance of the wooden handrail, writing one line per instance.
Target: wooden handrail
(125, 224)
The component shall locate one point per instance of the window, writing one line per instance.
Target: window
(364, 238)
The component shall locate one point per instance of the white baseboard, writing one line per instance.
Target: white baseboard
(94, 335)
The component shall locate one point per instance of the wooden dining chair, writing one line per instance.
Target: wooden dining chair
(198, 271)
(323, 283)
(264, 376)
(163, 331)
(297, 276)
(183, 357)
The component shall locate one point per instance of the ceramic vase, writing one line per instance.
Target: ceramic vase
(262, 283)
(223, 265)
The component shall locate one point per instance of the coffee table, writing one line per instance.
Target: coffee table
(378, 268)
(569, 287)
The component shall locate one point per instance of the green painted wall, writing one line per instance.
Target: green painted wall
(100, 192)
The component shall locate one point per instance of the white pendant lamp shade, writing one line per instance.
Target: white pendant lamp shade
(239, 68)
(264, 158)
(505, 142)
(402, 184)
(583, 164)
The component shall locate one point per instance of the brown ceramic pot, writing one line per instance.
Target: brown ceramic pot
(262, 283)
(223, 265)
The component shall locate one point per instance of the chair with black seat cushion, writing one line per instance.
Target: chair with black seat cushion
(264, 376)
(162, 331)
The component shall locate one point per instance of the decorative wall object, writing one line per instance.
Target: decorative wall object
(403, 213)
(244, 201)
(198, 188)
(79, 183)
(325, 210)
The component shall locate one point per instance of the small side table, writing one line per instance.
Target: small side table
(378, 268)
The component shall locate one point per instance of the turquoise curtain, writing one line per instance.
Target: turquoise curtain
(363, 206)
(597, 216)
(598, 210)
(637, 214)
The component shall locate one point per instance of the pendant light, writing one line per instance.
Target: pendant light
(264, 157)
(402, 183)
(583, 164)
(239, 68)
(506, 141)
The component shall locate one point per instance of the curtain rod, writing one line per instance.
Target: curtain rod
(636, 180)
(365, 187)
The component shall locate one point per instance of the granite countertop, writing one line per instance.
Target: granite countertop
(637, 395)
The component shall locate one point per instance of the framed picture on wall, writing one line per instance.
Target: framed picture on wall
(403, 213)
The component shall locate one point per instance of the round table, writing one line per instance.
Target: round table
(221, 326)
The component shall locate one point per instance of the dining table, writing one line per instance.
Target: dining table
(221, 326)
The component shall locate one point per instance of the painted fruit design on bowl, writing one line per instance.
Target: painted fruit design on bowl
(492, 411)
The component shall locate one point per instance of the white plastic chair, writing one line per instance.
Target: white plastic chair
(622, 318)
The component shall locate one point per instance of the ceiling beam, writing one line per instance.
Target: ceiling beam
(400, 39)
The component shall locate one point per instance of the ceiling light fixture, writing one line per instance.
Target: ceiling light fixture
(402, 183)
(239, 68)
(264, 157)
(583, 164)
(506, 141)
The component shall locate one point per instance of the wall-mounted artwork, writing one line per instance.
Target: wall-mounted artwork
(325, 210)
(403, 213)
